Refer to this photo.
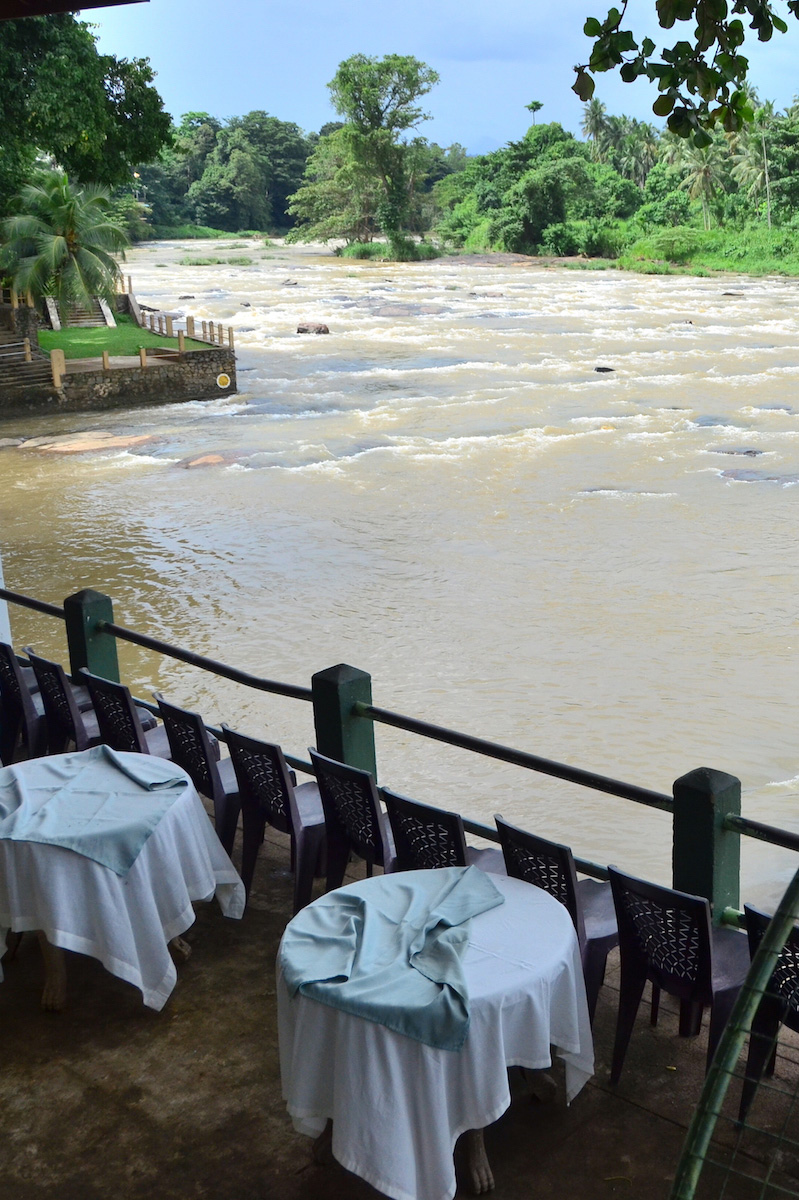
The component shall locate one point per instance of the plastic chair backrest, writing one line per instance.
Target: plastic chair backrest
(351, 806)
(425, 837)
(784, 982)
(547, 865)
(120, 727)
(263, 778)
(191, 747)
(668, 932)
(16, 704)
(64, 721)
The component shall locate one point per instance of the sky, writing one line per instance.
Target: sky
(230, 58)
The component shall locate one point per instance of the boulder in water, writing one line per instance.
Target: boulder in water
(604, 370)
(312, 327)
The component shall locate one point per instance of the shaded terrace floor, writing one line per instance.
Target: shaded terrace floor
(109, 1099)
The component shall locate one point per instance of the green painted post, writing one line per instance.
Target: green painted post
(339, 733)
(706, 858)
(88, 646)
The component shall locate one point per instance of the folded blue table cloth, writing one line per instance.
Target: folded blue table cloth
(99, 803)
(389, 949)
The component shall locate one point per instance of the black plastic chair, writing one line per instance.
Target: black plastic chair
(123, 724)
(779, 1006)
(24, 726)
(550, 866)
(66, 723)
(269, 796)
(354, 820)
(194, 750)
(426, 837)
(667, 937)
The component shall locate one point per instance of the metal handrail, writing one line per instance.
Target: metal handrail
(51, 610)
(763, 833)
(294, 691)
(518, 758)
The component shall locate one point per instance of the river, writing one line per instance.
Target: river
(596, 566)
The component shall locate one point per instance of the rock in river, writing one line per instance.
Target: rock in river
(312, 327)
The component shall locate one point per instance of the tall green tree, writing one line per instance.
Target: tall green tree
(594, 124)
(377, 98)
(62, 242)
(96, 115)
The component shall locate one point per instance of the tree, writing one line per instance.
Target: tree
(338, 198)
(750, 155)
(377, 98)
(97, 115)
(62, 243)
(703, 168)
(594, 124)
(701, 78)
(534, 106)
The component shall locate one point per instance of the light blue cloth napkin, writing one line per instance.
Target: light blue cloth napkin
(99, 803)
(389, 949)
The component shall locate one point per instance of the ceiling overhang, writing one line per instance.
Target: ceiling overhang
(12, 10)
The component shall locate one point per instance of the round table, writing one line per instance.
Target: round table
(125, 921)
(398, 1106)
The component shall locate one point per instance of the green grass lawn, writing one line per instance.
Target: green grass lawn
(126, 339)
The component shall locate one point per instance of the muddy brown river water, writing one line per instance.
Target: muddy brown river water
(597, 566)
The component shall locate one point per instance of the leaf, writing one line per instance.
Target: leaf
(592, 27)
(663, 106)
(583, 85)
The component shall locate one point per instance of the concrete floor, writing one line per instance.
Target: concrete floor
(109, 1099)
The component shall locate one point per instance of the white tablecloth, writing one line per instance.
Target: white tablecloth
(125, 922)
(398, 1106)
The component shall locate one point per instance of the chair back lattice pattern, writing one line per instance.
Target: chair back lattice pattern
(669, 932)
(116, 716)
(425, 837)
(16, 705)
(263, 777)
(784, 983)
(64, 721)
(349, 798)
(547, 865)
(190, 746)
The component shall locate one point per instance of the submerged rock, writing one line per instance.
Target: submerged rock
(604, 370)
(745, 451)
(81, 443)
(312, 327)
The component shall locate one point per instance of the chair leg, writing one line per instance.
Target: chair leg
(655, 1006)
(719, 1016)
(338, 855)
(760, 1060)
(630, 993)
(305, 860)
(690, 1018)
(253, 823)
(594, 972)
(226, 819)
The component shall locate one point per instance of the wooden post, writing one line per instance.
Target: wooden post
(230, 336)
(161, 326)
(130, 285)
(170, 329)
(340, 734)
(181, 341)
(706, 857)
(26, 344)
(14, 298)
(221, 332)
(58, 366)
(106, 361)
(190, 327)
(152, 323)
(205, 331)
(89, 646)
(211, 332)
(142, 356)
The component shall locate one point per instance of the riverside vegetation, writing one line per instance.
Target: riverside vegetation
(627, 194)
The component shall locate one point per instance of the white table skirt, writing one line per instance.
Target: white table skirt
(398, 1106)
(125, 922)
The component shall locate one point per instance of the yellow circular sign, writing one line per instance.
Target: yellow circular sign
(223, 381)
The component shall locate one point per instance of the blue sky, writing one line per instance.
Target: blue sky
(229, 58)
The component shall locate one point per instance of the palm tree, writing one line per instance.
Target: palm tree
(534, 107)
(751, 170)
(704, 171)
(62, 242)
(594, 124)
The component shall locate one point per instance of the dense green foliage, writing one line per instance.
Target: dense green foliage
(620, 193)
(231, 175)
(62, 242)
(702, 76)
(365, 175)
(95, 115)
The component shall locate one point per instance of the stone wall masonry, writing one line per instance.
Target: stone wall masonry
(21, 320)
(162, 381)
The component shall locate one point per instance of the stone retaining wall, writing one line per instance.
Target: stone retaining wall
(162, 381)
